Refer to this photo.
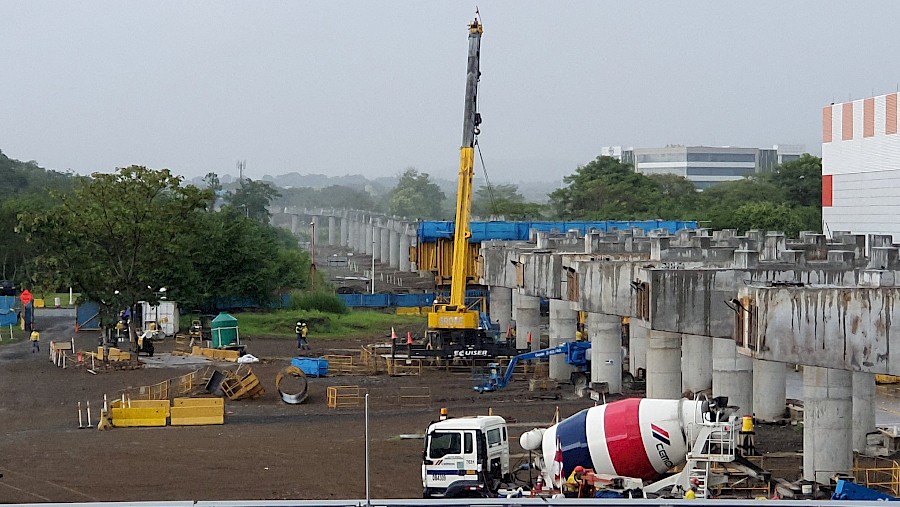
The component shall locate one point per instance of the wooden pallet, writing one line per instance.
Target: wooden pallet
(242, 383)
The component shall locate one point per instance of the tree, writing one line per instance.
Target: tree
(253, 199)
(605, 189)
(212, 182)
(114, 235)
(677, 197)
(506, 201)
(799, 180)
(416, 196)
(767, 216)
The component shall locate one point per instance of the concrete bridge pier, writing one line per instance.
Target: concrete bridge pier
(637, 346)
(664, 365)
(732, 375)
(295, 219)
(501, 308)
(345, 230)
(403, 260)
(769, 379)
(528, 321)
(333, 231)
(385, 255)
(605, 332)
(369, 228)
(863, 408)
(563, 324)
(827, 423)
(696, 363)
(394, 254)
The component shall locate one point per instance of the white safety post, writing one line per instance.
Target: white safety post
(368, 492)
(373, 258)
(88, 403)
(80, 421)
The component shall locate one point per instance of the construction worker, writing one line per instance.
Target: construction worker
(573, 483)
(35, 341)
(691, 494)
(302, 333)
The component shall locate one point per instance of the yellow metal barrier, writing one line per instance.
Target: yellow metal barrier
(414, 397)
(197, 411)
(409, 311)
(403, 366)
(877, 473)
(345, 396)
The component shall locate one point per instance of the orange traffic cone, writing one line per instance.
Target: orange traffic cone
(509, 331)
(529, 337)
(409, 338)
(393, 334)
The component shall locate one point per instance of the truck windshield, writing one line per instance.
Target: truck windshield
(443, 443)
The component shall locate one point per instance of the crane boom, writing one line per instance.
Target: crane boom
(455, 314)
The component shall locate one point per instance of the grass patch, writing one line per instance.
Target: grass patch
(353, 324)
(321, 301)
(17, 335)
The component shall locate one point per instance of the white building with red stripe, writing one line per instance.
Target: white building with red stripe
(861, 167)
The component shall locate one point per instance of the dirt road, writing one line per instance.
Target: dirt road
(265, 450)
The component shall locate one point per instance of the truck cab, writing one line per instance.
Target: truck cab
(465, 457)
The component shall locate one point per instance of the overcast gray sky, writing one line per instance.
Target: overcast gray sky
(371, 88)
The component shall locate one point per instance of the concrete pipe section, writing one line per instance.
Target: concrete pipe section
(295, 388)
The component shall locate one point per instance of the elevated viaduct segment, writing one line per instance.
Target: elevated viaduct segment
(682, 298)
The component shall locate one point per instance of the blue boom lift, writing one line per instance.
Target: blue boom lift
(576, 355)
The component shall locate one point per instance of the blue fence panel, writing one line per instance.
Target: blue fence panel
(9, 315)
(87, 316)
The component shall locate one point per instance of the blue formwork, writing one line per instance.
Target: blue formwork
(312, 367)
(9, 312)
(413, 300)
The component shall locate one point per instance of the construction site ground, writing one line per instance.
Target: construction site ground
(265, 450)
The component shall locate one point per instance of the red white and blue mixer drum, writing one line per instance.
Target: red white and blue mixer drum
(640, 438)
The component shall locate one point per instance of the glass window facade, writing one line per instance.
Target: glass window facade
(720, 171)
(651, 158)
(721, 157)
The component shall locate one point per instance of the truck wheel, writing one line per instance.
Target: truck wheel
(627, 380)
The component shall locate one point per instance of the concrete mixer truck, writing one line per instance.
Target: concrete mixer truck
(631, 439)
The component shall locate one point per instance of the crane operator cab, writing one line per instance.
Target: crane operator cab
(466, 457)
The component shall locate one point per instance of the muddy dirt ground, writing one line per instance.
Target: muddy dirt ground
(265, 450)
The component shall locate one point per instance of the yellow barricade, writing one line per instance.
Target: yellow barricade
(408, 311)
(139, 413)
(345, 396)
(197, 411)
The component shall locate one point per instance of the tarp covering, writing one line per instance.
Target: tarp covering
(430, 231)
(9, 315)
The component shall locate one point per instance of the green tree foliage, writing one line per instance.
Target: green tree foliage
(120, 237)
(24, 190)
(114, 234)
(605, 189)
(252, 198)
(504, 200)
(788, 198)
(228, 255)
(416, 196)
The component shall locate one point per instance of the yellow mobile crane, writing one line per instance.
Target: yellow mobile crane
(455, 329)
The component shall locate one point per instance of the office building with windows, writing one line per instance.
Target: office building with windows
(861, 166)
(704, 165)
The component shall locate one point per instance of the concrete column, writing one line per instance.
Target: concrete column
(333, 231)
(605, 332)
(345, 230)
(294, 221)
(732, 375)
(403, 261)
(310, 228)
(370, 237)
(394, 248)
(664, 365)
(827, 423)
(696, 363)
(863, 408)
(528, 320)
(501, 308)
(385, 245)
(769, 380)
(563, 324)
(637, 346)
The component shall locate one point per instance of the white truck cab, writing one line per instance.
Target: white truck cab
(465, 457)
